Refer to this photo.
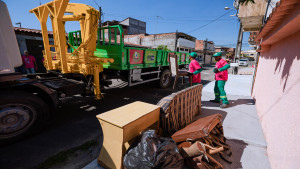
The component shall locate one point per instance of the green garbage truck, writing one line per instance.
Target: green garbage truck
(135, 65)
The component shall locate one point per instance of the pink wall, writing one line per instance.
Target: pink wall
(277, 94)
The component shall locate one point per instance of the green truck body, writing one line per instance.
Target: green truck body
(110, 44)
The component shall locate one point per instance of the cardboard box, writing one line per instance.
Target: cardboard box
(122, 125)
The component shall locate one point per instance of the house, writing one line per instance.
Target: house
(32, 40)
(276, 88)
(177, 41)
(205, 50)
(251, 54)
(114, 22)
(134, 26)
(209, 46)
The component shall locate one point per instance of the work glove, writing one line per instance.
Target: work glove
(189, 74)
(216, 70)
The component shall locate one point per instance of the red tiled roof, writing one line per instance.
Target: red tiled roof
(30, 30)
(278, 16)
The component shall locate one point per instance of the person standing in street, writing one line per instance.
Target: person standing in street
(195, 69)
(29, 62)
(221, 77)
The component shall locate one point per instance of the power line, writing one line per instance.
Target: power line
(96, 3)
(164, 18)
(209, 22)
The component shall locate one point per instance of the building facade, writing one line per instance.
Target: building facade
(31, 40)
(205, 49)
(134, 26)
(277, 84)
(209, 46)
(177, 41)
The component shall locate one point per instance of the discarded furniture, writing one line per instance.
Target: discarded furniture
(201, 139)
(120, 126)
(174, 70)
(179, 109)
(198, 129)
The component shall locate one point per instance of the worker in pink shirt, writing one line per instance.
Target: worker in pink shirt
(29, 62)
(195, 69)
(221, 77)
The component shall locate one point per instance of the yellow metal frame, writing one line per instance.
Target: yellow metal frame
(82, 60)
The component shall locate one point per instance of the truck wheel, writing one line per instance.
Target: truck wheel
(21, 113)
(165, 79)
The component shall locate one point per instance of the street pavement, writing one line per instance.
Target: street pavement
(240, 123)
(74, 123)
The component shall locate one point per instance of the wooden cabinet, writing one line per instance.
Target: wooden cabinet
(120, 126)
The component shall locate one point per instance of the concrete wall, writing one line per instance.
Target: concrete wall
(277, 94)
(157, 40)
(152, 40)
(185, 43)
(208, 59)
(133, 39)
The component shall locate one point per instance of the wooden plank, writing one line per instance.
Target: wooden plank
(124, 115)
(111, 155)
(134, 128)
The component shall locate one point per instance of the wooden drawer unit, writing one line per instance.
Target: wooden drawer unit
(122, 125)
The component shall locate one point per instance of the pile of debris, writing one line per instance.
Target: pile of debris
(166, 135)
(200, 140)
(193, 146)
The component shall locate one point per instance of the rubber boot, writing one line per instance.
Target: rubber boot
(224, 105)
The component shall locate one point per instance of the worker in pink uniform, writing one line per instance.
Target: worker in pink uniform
(29, 62)
(221, 77)
(195, 69)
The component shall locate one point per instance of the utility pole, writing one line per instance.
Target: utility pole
(100, 21)
(204, 50)
(176, 40)
(100, 24)
(157, 22)
(239, 43)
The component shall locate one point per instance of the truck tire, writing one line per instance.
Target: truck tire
(165, 79)
(21, 113)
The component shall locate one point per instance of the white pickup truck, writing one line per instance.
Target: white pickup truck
(243, 62)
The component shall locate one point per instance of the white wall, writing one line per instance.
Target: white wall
(185, 43)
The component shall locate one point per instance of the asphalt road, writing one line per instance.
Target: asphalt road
(74, 123)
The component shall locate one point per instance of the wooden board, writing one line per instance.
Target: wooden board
(126, 114)
(122, 125)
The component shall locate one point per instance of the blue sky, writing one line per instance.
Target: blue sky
(189, 16)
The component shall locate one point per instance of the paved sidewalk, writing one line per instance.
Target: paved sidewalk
(240, 122)
(246, 71)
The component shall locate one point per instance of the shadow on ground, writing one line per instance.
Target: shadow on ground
(237, 148)
(232, 103)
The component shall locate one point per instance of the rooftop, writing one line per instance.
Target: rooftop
(33, 31)
(279, 16)
(180, 35)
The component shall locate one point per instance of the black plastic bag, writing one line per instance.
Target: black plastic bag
(153, 152)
